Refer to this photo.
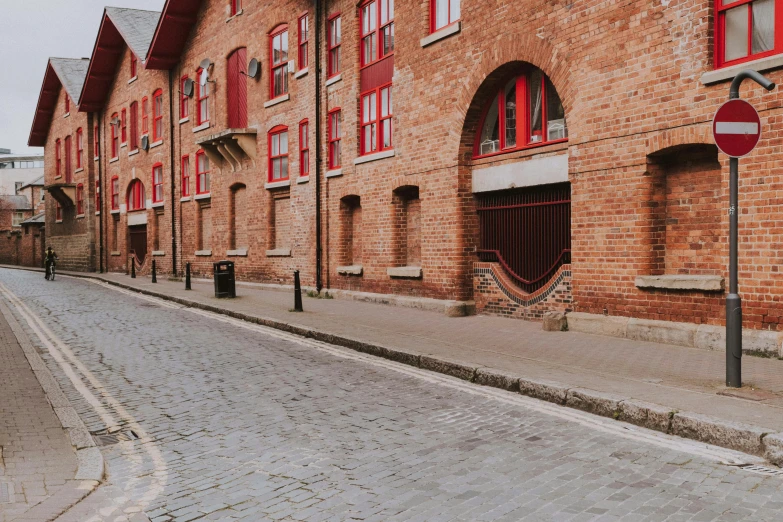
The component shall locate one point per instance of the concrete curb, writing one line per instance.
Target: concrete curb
(745, 438)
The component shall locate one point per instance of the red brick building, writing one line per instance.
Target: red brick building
(522, 156)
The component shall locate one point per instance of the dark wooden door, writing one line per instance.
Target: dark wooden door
(237, 89)
(138, 241)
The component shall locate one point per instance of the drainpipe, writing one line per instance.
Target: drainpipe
(173, 195)
(97, 128)
(318, 239)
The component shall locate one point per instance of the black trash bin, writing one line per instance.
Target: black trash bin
(225, 284)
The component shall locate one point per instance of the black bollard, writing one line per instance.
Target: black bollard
(297, 293)
(133, 267)
(154, 275)
(187, 276)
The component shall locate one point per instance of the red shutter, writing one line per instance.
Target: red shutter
(237, 89)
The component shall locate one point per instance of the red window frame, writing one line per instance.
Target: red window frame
(185, 166)
(79, 199)
(68, 171)
(97, 196)
(145, 111)
(157, 115)
(134, 125)
(184, 106)
(79, 148)
(721, 8)
(449, 20)
(115, 193)
(304, 38)
(279, 65)
(202, 100)
(157, 183)
(278, 156)
(67, 104)
(334, 133)
(236, 7)
(58, 158)
(133, 62)
(58, 213)
(304, 148)
(523, 123)
(376, 26)
(376, 120)
(202, 176)
(135, 200)
(115, 140)
(97, 144)
(124, 123)
(334, 41)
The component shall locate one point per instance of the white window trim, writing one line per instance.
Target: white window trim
(201, 127)
(184, 120)
(334, 173)
(279, 99)
(277, 184)
(133, 152)
(301, 73)
(202, 196)
(157, 144)
(374, 157)
(133, 79)
(303, 179)
(334, 79)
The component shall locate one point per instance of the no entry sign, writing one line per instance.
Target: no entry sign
(736, 128)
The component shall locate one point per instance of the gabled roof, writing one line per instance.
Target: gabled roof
(176, 22)
(60, 72)
(15, 202)
(39, 219)
(38, 182)
(119, 27)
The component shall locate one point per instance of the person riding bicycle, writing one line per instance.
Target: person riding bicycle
(50, 260)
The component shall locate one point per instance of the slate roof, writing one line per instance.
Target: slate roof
(137, 28)
(18, 202)
(40, 218)
(71, 72)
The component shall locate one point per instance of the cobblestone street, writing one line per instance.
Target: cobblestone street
(220, 420)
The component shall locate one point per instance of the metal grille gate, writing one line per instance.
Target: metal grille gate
(527, 231)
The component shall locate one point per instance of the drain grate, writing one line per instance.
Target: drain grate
(109, 439)
(5, 493)
(763, 470)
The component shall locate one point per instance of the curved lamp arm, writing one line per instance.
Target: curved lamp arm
(753, 75)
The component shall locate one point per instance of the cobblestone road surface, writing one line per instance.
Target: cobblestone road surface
(239, 423)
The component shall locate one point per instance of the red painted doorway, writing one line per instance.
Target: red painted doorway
(237, 89)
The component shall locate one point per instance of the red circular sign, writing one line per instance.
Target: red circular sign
(736, 128)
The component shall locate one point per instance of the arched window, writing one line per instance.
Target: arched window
(278, 63)
(278, 154)
(136, 200)
(525, 112)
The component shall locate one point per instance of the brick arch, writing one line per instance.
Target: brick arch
(497, 63)
(677, 137)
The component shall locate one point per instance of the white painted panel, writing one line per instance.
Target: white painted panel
(526, 173)
(137, 218)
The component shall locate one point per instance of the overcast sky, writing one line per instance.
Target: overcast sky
(31, 32)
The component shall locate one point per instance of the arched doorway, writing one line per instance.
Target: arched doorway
(137, 220)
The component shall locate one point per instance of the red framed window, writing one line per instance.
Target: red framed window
(157, 183)
(67, 103)
(278, 153)
(236, 6)
(115, 193)
(97, 196)
(377, 30)
(58, 213)
(58, 158)
(184, 106)
(185, 176)
(202, 173)
(145, 111)
(304, 148)
(136, 200)
(68, 166)
(278, 48)
(97, 144)
(304, 38)
(202, 100)
(134, 125)
(79, 199)
(124, 123)
(79, 148)
(525, 112)
(377, 120)
(334, 136)
(115, 139)
(746, 30)
(443, 13)
(335, 39)
(133, 63)
(157, 115)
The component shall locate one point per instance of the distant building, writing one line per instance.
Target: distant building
(17, 170)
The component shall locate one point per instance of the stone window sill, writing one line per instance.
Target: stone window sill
(279, 252)
(703, 283)
(239, 252)
(158, 253)
(184, 120)
(123, 145)
(59, 221)
(374, 157)
(186, 198)
(113, 160)
(279, 99)
(203, 253)
(79, 216)
(238, 13)
(353, 270)
(80, 169)
(159, 204)
(334, 173)
(202, 196)
(116, 254)
(133, 152)
(156, 144)
(303, 179)
(728, 73)
(278, 184)
(66, 114)
(334, 79)
(133, 79)
(117, 211)
(301, 73)
(440, 34)
(407, 272)
(201, 127)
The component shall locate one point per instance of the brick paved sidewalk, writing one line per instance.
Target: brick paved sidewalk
(37, 460)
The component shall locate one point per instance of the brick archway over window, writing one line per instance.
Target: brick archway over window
(680, 136)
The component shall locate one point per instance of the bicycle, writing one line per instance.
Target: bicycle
(50, 271)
